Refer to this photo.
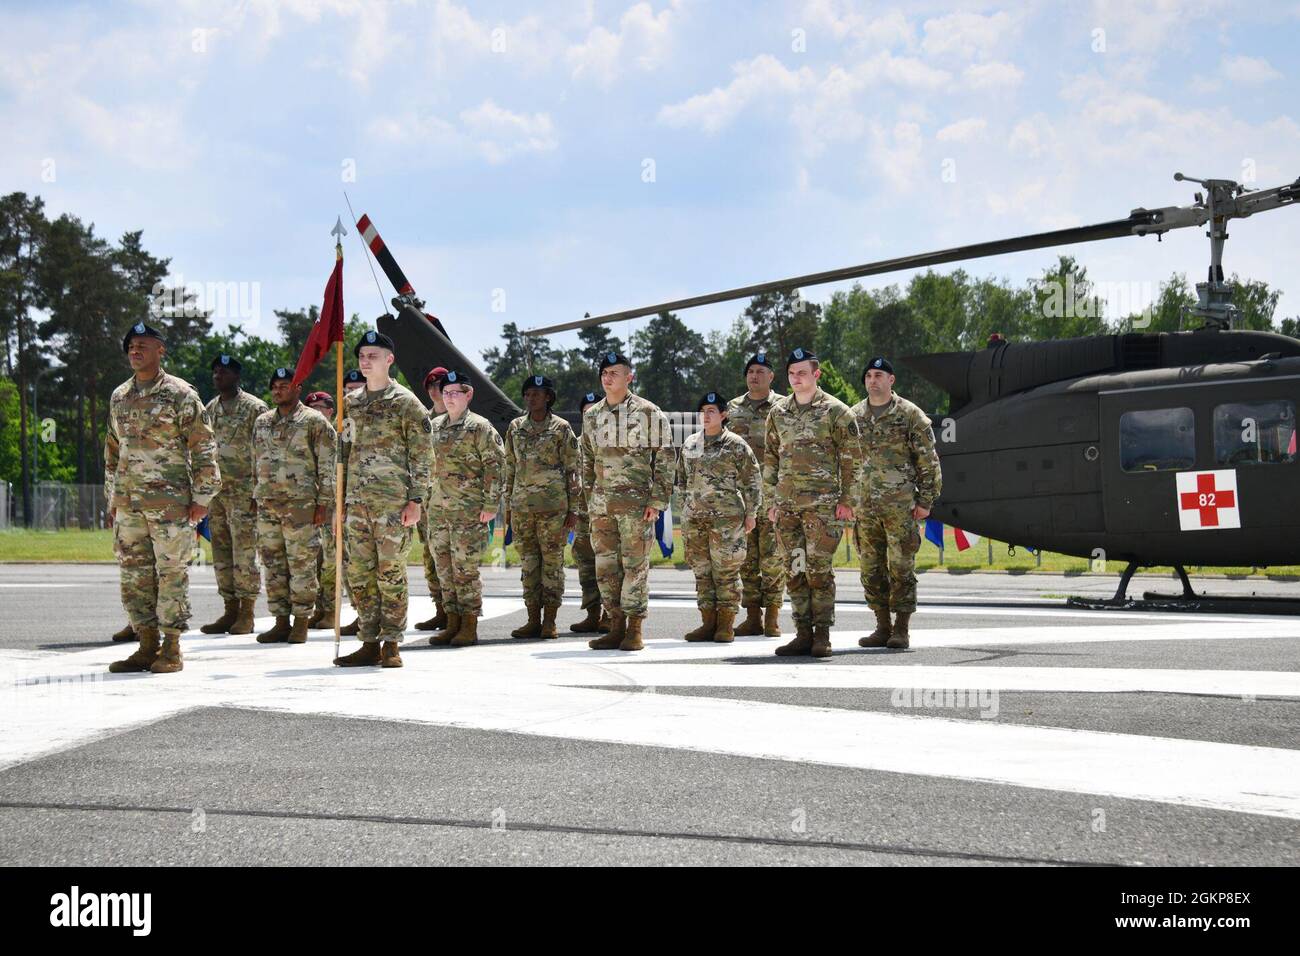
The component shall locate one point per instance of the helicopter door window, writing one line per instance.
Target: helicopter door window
(1254, 433)
(1157, 439)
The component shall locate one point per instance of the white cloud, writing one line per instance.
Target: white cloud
(985, 76)
(760, 77)
(896, 153)
(963, 131)
(1248, 70)
(968, 35)
(842, 20)
(494, 133)
(644, 37)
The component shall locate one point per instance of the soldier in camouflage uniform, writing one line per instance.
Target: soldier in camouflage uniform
(433, 386)
(323, 615)
(810, 481)
(762, 575)
(721, 487)
(353, 381)
(160, 473)
(541, 459)
(232, 516)
(900, 481)
(583, 555)
(468, 457)
(627, 474)
(293, 482)
(386, 468)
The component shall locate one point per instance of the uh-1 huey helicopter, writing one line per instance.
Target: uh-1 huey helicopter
(1157, 449)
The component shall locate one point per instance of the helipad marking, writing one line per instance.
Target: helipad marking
(53, 701)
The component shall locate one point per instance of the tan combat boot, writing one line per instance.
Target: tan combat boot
(390, 655)
(614, 638)
(606, 621)
(753, 622)
(278, 633)
(589, 624)
(899, 639)
(709, 615)
(802, 643)
(724, 633)
(468, 632)
(549, 632)
(299, 633)
(632, 635)
(351, 630)
(143, 657)
(435, 623)
(244, 619)
(321, 618)
(821, 645)
(880, 635)
(443, 637)
(532, 628)
(366, 655)
(126, 634)
(222, 624)
(772, 621)
(169, 658)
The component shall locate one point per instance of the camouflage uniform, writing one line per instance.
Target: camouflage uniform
(627, 466)
(901, 472)
(467, 459)
(540, 478)
(810, 465)
(293, 475)
(386, 464)
(427, 522)
(721, 487)
(232, 519)
(159, 458)
(762, 575)
(584, 556)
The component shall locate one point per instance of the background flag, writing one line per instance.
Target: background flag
(934, 532)
(664, 531)
(328, 328)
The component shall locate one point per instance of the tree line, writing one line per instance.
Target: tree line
(67, 294)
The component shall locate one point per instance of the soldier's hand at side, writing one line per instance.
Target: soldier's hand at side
(197, 513)
(919, 513)
(318, 516)
(109, 515)
(570, 521)
(771, 514)
(843, 513)
(651, 514)
(749, 524)
(485, 516)
(411, 514)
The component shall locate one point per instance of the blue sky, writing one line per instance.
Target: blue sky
(505, 146)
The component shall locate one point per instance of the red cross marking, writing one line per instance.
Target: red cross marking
(1207, 500)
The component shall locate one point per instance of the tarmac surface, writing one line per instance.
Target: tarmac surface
(1014, 732)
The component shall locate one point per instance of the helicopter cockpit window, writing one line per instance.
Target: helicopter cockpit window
(1254, 433)
(1157, 439)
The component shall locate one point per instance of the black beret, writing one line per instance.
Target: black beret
(590, 398)
(537, 381)
(879, 362)
(228, 361)
(140, 329)
(712, 398)
(613, 358)
(800, 355)
(280, 373)
(352, 375)
(455, 377)
(758, 358)
(374, 338)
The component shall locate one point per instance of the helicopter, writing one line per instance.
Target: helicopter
(1155, 449)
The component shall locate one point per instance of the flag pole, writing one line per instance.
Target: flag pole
(338, 473)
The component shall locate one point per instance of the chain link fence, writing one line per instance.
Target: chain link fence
(55, 505)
